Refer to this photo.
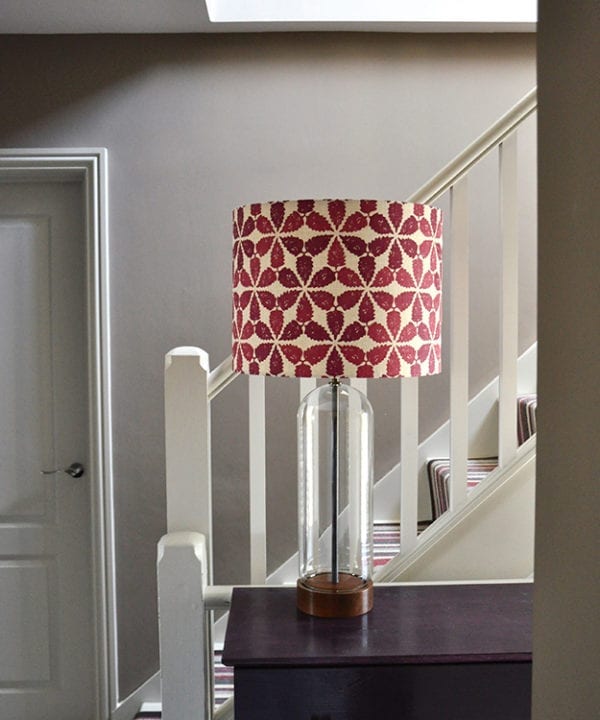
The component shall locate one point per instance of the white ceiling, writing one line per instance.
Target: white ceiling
(169, 16)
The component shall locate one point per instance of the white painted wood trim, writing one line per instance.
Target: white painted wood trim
(225, 711)
(187, 444)
(258, 478)
(220, 378)
(459, 344)
(139, 698)
(509, 300)
(409, 469)
(357, 471)
(189, 480)
(361, 385)
(100, 350)
(90, 167)
(151, 707)
(182, 571)
(306, 385)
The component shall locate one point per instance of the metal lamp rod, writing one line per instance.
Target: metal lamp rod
(335, 479)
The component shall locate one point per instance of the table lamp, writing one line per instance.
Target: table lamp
(336, 289)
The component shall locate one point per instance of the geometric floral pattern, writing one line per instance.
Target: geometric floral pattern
(337, 288)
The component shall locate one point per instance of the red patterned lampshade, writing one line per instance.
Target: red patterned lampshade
(337, 288)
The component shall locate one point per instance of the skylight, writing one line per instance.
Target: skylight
(470, 12)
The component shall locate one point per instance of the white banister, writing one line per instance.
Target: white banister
(186, 666)
(509, 301)
(459, 344)
(258, 478)
(220, 377)
(187, 443)
(409, 462)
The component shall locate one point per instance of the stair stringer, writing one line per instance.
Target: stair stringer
(490, 537)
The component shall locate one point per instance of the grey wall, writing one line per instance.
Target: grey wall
(196, 125)
(567, 567)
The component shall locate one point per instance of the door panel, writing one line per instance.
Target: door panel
(26, 424)
(47, 653)
(27, 602)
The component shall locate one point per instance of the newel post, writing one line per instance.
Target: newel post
(182, 579)
(187, 444)
(184, 565)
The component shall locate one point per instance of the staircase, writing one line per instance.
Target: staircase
(476, 513)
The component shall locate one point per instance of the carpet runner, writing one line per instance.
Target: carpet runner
(526, 417)
(438, 470)
(439, 476)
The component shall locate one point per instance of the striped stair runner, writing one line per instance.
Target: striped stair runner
(223, 680)
(438, 470)
(526, 417)
(386, 541)
(439, 475)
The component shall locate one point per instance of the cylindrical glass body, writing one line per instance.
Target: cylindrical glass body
(335, 473)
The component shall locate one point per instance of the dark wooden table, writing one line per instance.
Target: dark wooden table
(443, 652)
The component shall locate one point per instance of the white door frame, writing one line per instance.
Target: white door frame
(89, 166)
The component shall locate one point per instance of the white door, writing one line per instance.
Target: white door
(47, 653)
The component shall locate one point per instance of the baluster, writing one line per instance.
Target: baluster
(306, 386)
(509, 299)
(360, 384)
(409, 462)
(459, 343)
(258, 475)
(357, 468)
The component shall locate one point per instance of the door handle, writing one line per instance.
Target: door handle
(75, 470)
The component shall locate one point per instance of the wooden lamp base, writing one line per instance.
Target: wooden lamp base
(319, 596)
